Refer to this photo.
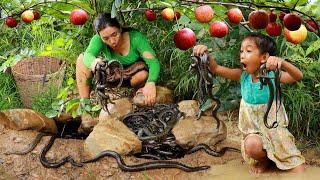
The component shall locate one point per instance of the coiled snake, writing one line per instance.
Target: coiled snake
(265, 79)
(205, 84)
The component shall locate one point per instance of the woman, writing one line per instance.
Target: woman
(125, 45)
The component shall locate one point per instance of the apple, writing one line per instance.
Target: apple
(78, 17)
(292, 21)
(178, 15)
(218, 29)
(11, 22)
(27, 16)
(235, 15)
(258, 19)
(150, 15)
(204, 13)
(167, 14)
(281, 16)
(36, 15)
(311, 25)
(274, 29)
(184, 39)
(297, 36)
(272, 16)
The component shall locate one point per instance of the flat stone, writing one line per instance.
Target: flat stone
(164, 95)
(119, 109)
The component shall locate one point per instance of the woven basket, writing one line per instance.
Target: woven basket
(35, 75)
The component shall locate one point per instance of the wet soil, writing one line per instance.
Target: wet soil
(28, 166)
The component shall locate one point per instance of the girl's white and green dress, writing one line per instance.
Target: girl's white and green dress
(278, 142)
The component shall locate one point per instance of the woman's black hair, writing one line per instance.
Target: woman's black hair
(265, 43)
(104, 20)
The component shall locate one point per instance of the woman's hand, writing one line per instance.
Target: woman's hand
(199, 50)
(274, 62)
(95, 62)
(149, 92)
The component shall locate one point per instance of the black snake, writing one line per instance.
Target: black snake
(100, 77)
(205, 84)
(265, 79)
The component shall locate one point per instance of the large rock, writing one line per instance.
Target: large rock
(164, 95)
(190, 108)
(120, 108)
(112, 135)
(190, 132)
(27, 119)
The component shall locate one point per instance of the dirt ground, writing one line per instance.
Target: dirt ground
(29, 167)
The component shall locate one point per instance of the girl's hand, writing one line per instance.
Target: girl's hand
(274, 62)
(199, 50)
(149, 92)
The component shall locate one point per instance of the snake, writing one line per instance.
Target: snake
(100, 79)
(61, 162)
(205, 84)
(31, 146)
(266, 80)
(145, 166)
(211, 152)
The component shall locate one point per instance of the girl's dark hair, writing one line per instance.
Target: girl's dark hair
(265, 43)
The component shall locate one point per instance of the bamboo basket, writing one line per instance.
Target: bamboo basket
(35, 75)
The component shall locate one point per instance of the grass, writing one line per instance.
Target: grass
(9, 96)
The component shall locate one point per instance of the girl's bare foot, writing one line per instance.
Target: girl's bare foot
(298, 169)
(260, 167)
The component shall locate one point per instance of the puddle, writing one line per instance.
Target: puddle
(236, 170)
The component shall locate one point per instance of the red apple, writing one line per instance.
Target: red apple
(218, 29)
(11, 22)
(36, 15)
(274, 29)
(281, 16)
(235, 15)
(150, 15)
(297, 36)
(178, 15)
(258, 19)
(204, 13)
(167, 14)
(78, 17)
(27, 16)
(292, 21)
(311, 25)
(272, 16)
(184, 39)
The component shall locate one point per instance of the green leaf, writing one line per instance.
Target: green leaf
(71, 104)
(113, 11)
(51, 113)
(117, 3)
(70, 81)
(96, 107)
(314, 47)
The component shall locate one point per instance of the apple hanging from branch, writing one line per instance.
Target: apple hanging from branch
(204, 13)
(27, 16)
(218, 29)
(167, 14)
(297, 36)
(11, 22)
(235, 15)
(78, 17)
(150, 15)
(184, 39)
(258, 19)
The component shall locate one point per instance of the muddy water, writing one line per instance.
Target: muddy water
(237, 170)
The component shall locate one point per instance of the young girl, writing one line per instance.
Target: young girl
(261, 146)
